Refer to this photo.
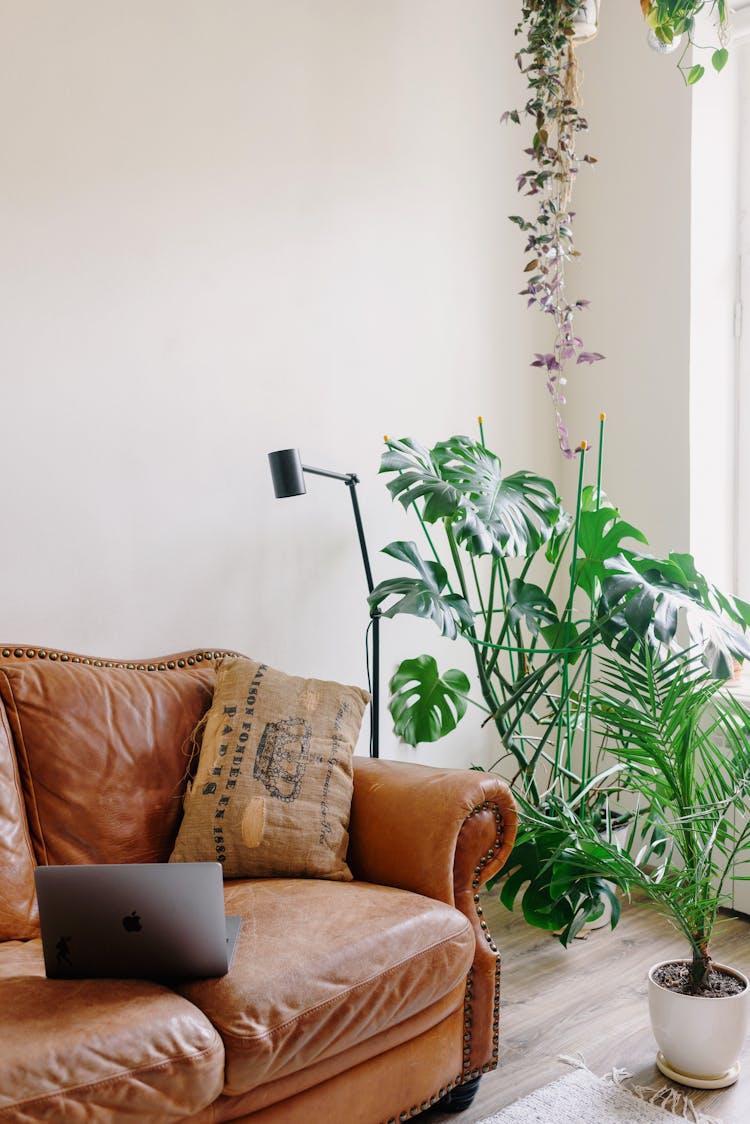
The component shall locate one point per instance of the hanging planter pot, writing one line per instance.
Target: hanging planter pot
(661, 46)
(586, 21)
(700, 1038)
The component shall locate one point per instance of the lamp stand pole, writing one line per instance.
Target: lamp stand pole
(351, 480)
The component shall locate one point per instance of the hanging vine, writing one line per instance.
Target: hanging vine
(548, 61)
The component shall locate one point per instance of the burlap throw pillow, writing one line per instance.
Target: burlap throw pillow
(273, 788)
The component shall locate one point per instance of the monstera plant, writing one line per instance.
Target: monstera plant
(534, 591)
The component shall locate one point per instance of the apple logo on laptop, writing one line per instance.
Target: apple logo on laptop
(132, 923)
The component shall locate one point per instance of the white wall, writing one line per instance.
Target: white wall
(634, 233)
(742, 559)
(230, 226)
(714, 294)
(658, 230)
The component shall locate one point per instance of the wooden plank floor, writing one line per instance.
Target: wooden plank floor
(591, 999)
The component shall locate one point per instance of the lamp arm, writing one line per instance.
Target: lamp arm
(351, 480)
(351, 483)
(347, 477)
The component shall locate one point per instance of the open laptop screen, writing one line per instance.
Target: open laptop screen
(139, 920)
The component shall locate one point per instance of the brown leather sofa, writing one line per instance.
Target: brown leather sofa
(347, 1002)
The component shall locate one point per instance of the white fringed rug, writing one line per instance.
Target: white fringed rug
(583, 1098)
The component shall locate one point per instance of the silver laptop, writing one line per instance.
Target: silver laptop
(139, 920)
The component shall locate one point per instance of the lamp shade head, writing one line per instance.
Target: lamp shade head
(286, 473)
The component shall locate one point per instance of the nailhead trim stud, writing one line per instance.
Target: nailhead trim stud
(68, 657)
(468, 1073)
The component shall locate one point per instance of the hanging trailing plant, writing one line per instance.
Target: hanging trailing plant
(548, 61)
(671, 23)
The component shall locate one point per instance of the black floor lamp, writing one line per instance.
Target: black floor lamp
(287, 473)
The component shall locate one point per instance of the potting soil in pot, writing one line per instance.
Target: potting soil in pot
(676, 977)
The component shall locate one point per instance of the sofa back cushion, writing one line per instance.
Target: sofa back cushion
(18, 913)
(103, 754)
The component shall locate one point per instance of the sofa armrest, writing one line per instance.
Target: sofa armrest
(438, 832)
(441, 833)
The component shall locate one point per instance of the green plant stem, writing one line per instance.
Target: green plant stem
(504, 586)
(478, 588)
(428, 536)
(505, 756)
(590, 652)
(506, 618)
(491, 664)
(566, 769)
(490, 602)
(538, 672)
(486, 687)
(558, 561)
(566, 725)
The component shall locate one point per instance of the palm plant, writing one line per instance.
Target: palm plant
(681, 743)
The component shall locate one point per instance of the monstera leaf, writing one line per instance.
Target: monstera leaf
(551, 868)
(559, 537)
(528, 603)
(564, 639)
(461, 482)
(653, 598)
(526, 868)
(424, 705)
(508, 516)
(554, 894)
(419, 478)
(600, 535)
(736, 609)
(422, 596)
(593, 499)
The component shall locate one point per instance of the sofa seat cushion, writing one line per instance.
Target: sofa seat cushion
(323, 966)
(104, 1050)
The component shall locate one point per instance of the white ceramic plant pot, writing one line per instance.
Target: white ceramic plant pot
(700, 1039)
(586, 22)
